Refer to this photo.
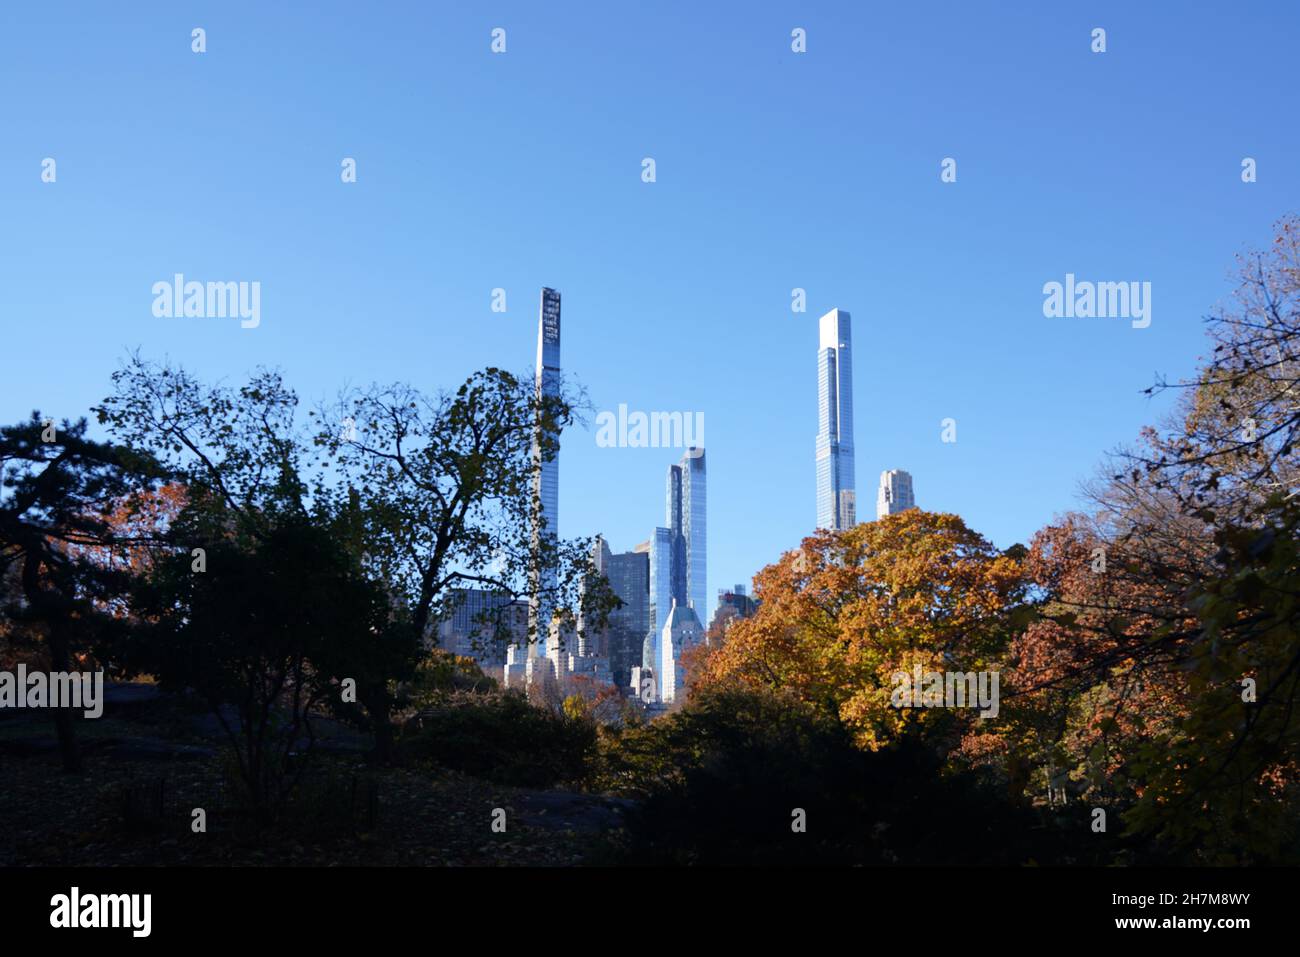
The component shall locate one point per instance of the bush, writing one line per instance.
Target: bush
(721, 779)
(500, 737)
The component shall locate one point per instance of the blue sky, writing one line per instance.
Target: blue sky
(775, 170)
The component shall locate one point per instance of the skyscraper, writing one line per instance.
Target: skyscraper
(733, 603)
(836, 507)
(546, 475)
(682, 631)
(687, 520)
(694, 521)
(895, 493)
(661, 592)
(480, 623)
(629, 578)
(677, 529)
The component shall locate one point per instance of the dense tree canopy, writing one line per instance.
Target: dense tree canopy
(847, 611)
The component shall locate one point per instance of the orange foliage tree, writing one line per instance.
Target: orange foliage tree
(1084, 685)
(845, 612)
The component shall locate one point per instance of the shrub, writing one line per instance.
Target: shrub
(499, 736)
(721, 779)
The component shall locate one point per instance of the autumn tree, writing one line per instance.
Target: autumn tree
(1223, 779)
(1234, 440)
(1083, 687)
(1162, 675)
(843, 614)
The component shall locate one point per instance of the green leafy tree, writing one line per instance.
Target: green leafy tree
(446, 487)
(265, 634)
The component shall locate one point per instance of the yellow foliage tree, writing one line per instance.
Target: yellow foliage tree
(844, 613)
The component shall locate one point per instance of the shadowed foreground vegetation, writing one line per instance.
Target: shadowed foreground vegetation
(282, 581)
(716, 783)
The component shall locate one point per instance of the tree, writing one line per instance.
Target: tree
(1222, 779)
(239, 453)
(1137, 678)
(842, 615)
(1083, 685)
(445, 484)
(57, 490)
(1231, 764)
(1240, 415)
(381, 657)
(269, 630)
(243, 458)
(426, 494)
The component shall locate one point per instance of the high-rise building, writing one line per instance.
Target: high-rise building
(681, 632)
(628, 574)
(480, 623)
(733, 603)
(836, 507)
(569, 656)
(692, 564)
(895, 493)
(679, 552)
(661, 592)
(546, 476)
(677, 529)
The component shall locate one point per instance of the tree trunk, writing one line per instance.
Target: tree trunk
(46, 607)
(379, 706)
(61, 660)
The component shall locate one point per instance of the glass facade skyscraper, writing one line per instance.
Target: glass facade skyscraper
(677, 528)
(629, 578)
(546, 475)
(695, 529)
(836, 504)
(679, 553)
(479, 623)
(661, 592)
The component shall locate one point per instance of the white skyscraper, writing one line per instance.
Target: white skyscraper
(681, 632)
(836, 506)
(895, 493)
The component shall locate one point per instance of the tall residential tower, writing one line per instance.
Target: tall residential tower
(678, 553)
(687, 519)
(695, 528)
(836, 508)
(546, 477)
(895, 493)
(629, 578)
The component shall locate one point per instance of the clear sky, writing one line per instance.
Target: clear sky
(775, 170)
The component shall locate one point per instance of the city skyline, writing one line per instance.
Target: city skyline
(678, 293)
(357, 512)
